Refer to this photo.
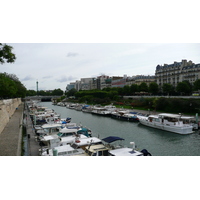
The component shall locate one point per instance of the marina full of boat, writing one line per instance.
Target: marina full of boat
(60, 137)
(176, 123)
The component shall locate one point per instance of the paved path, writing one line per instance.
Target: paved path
(10, 138)
(33, 145)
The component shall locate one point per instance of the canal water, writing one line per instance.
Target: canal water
(157, 142)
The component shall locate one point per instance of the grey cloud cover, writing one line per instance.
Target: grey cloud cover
(47, 63)
(72, 54)
(65, 79)
(27, 78)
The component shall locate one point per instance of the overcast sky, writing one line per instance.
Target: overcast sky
(60, 42)
(55, 65)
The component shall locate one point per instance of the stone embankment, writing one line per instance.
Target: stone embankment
(7, 109)
(11, 114)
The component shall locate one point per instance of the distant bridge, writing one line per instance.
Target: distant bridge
(42, 98)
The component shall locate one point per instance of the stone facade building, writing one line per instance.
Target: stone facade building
(177, 72)
(144, 79)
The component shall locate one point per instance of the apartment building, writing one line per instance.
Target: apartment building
(144, 79)
(103, 82)
(168, 73)
(177, 72)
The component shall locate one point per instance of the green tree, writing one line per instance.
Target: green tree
(31, 93)
(133, 88)
(183, 88)
(57, 92)
(6, 54)
(190, 86)
(167, 88)
(197, 85)
(126, 90)
(71, 92)
(8, 87)
(120, 91)
(113, 94)
(153, 88)
(11, 87)
(143, 87)
(42, 93)
(21, 90)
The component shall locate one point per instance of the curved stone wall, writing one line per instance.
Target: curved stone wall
(7, 108)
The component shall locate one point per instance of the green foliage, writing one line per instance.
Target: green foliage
(143, 87)
(6, 54)
(11, 87)
(31, 93)
(162, 103)
(94, 93)
(87, 99)
(153, 88)
(175, 105)
(134, 88)
(126, 90)
(57, 92)
(183, 88)
(197, 85)
(71, 92)
(167, 88)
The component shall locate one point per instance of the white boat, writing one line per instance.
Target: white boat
(65, 136)
(103, 110)
(48, 129)
(126, 151)
(111, 150)
(65, 150)
(97, 150)
(175, 123)
(125, 115)
(52, 141)
(87, 108)
(54, 128)
(82, 143)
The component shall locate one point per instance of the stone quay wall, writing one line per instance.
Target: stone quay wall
(7, 109)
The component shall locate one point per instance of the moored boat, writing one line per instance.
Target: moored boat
(113, 150)
(65, 150)
(175, 123)
(103, 110)
(125, 115)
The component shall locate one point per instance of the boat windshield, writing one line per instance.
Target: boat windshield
(65, 134)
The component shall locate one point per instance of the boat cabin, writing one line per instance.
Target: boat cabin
(125, 152)
(97, 150)
(83, 143)
(65, 150)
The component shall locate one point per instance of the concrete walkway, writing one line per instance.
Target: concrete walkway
(33, 145)
(10, 138)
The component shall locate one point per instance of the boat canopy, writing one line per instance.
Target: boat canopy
(170, 115)
(111, 139)
(175, 116)
(85, 106)
(83, 131)
(68, 130)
